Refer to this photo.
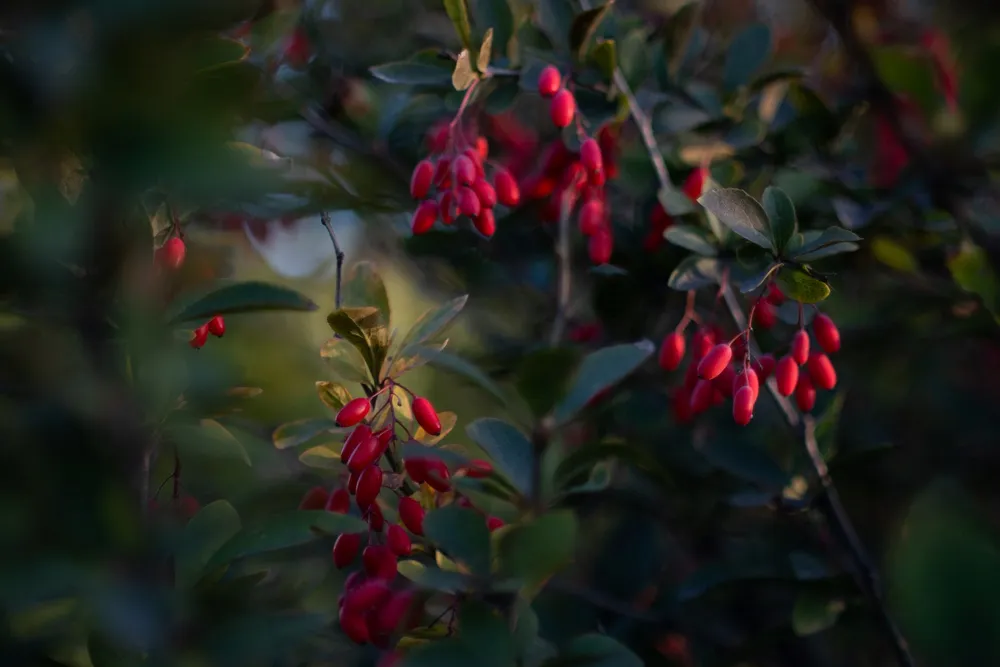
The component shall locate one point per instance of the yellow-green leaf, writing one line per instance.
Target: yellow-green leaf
(334, 395)
(483, 62)
(799, 286)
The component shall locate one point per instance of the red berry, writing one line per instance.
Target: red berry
(345, 549)
(590, 156)
(786, 375)
(563, 108)
(702, 396)
(800, 347)
(482, 148)
(592, 217)
(394, 614)
(494, 523)
(464, 170)
(743, 402)
(764, 365)
(805, 393)
(748, 378)
(199, 337)
(691, 376)
(420, 181)
(597, 178)
(360, 434)
(369, 485)
(821, 371)
(701, 343)
(354, 625)
(438, 475)
(478, 469)
(442, 172)
(827, 334)
(600, 247)
(508, 193)
(352, 413)
(680, 402)
(487, 195)
(353, 580)
(477, 162)
(694, 186)
(447, 207)
(398, 540)
(365, 454)
(416, 469)
(764, 315)
(339, 502)
(724, 382)
(412, 515)
(713, 363)
(468, 202)
(437, 136)
(366, 596)
(672, 351)
(549, 81)
(379, 562)
(314, 499)
(217, 326)
(426, 415)
(485, 223)
(297, 50)
(352, 482)
(775, 295)
(376, 520)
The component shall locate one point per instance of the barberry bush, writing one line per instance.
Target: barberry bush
(707, 377)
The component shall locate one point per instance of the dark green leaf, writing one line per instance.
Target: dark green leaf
(536, 550)
(461, 533)
(286, 530)
(814, 612)
(363, 286)
(346, 326)
(741, 213)
(831, 236)
(747, 462)
(243, 298)
(605, 56)
(781, 214)
(495, 15)
(694, 272)
(511, 451)
(800, 286)
(412, 73)
(756, 279)
(433, 322)
(747, 52)
(599, 371)
(207, 439)
(206, 532)
(583, 27)
(345, 360)
(449, 652)
(970, 268)
(416, 449)
(827, 251)
(502, 95)
(555, 18)
(459, 366)
(487, 633)
(692, 238)
(458, 12)
(584, 457)
(595, 650)
(543, 377)
(302, 431)
(434, 578)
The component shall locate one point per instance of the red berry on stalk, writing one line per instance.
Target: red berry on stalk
(748, 378)
(369, 485)
(743, 402)
(701, 344)
(314, 499)
(592, 217)
(464, 170)
(800, 347)
(805, 393)
(426, 415)
(827, 334)
(416, 469)
(590, 156)
(786, 375)
(702, 396)
(447, 207)
(412, 515)
(379, 562)
(354, 625)
(563, 108)
(199, 337)
(438, 475)
(172, 253)
(482, 148)
(764, 365)
(345, 549)
(352, 413)
(672, 351)
(365, 454)
(821, 371)
(680, 403)
(217, 326)
(549, 81)
(508, 193)
(694, 186)
(478, 469)
(725, 382)
(339, 502)
(764, 315)
(352, 482)
(398, 540)
(600, 247)
(420, 181)
(493, 523)
(360, 434)
(375, 518)
(468, 202)
(485, 223)
(713, 363)
(442, 172)
(487, 195)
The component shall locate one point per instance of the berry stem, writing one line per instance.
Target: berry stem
(564, 275)
(325, 219)
(689, 313)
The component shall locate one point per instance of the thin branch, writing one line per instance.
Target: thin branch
(564, 277)
(325, 219)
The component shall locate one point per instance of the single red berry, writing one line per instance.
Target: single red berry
(376, 520)
(442, 173)
(464, 170)
(199, 337)
(385, 437)
(468, 202)
(398, 540)
(600, 247)
(339, 502)
(563, 108)
(345, 549)
(805, 393)
(702, 396)
(590, 156)
(360, 434)
(786, 375)
(420, 180)
(691, 376)
(438, 475)
(694, 186)
(369, 485)
(366, 596)
(447, 207)
(539, 187)
(352, 413)
(701, 343)
(217, 326)
(416, 469)
(379, 562)
(724, 382)
(487, 195)
(477, 162)
(748, 378)
(482, 148)
(353, 580)
(827, 334)
(800, 347)
(743, 402)
(713, 363)
(821, 371)
(437, 136)
(477, 469)
(575, 176)
(314, 499)
(485, 223)
(493, 523)
(365, 454)
(297, 51)
(352, 482)
(549, 81)
(764, 315)
(412, 515)
(508, 193)
(764, 365)
(597, 179)
(680, 403)
(672, 351)
(395, 614)
(775, 295)
(591, 217)
(354, 625)
(426, 415)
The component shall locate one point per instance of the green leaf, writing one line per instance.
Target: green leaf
(207, 439)
(245, 297)
(971, 270)
(459, 366)
(433, 322)
(420, 450)
(749, 283)
(289, 529)
(293, 434)
(596, 650)
(582, 458)
(345, 360)
(449, 652)
(333, 394)
(814, 612)
(692, 238)
(600, 370)
(212, 52)
(344, 324)
(536, 550)
(800, 286)
(324, 457)
(413, 73)
(434, 578)
(827, 251)
(486, 632)
(584, 26)
(894, 255)
(463, 536)
(511, 451)
(458, 12)
(463, 76)
(206, 533)
(781, 214)
(555, 18)
(694, 272)
(746, 462)
(908, 73)
(748, 51)
(828, 237)
(741, 213)
(494, 15)
(364, 287)
(485, 51)
(542, 377)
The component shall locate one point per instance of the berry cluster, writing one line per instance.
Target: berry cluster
(820, 373)
(375, 605)
(215, 326)
(562, 109)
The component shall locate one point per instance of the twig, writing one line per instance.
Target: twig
(564, 277)
(325, 219)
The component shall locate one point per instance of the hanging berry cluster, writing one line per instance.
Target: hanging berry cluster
(215, 326)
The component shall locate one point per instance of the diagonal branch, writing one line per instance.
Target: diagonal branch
(325, 219)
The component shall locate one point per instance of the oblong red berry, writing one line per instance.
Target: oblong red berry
(764, 315)
(694, 185)
(360, 434)
(424, 217)
(365, 454)
(416, 469)
(172, 253)
(438, 475)
(485, 223)
(827, 334)
(421, 179)
(477, 162)
(563, 108)
(447, 207)
(368, 595)
(376, 520)
(702, 396)
(724, 382)
(591, 217)
(743, 401)
(426, 415)
(398, 541)
(508, 193)
(800, 347)
(713, 363)
(412, 515)
(494, 522)
(487, 195)
(549, 81)
(314, 499)
(464, 170)
(345, 549)
(786, 375)
(821, 371)
(590, 156)
(468, 202)
(478, 469)
(352, 413)
(354, 625)
(805, 393)
(379, 562)
(701, 343)
(199, 337)
(600, 247)
(672, 351)
(764, 365)
(442, 172)
(482, 147)
(339, 501)
(369, 485)
(217, 326)
(748, 378)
